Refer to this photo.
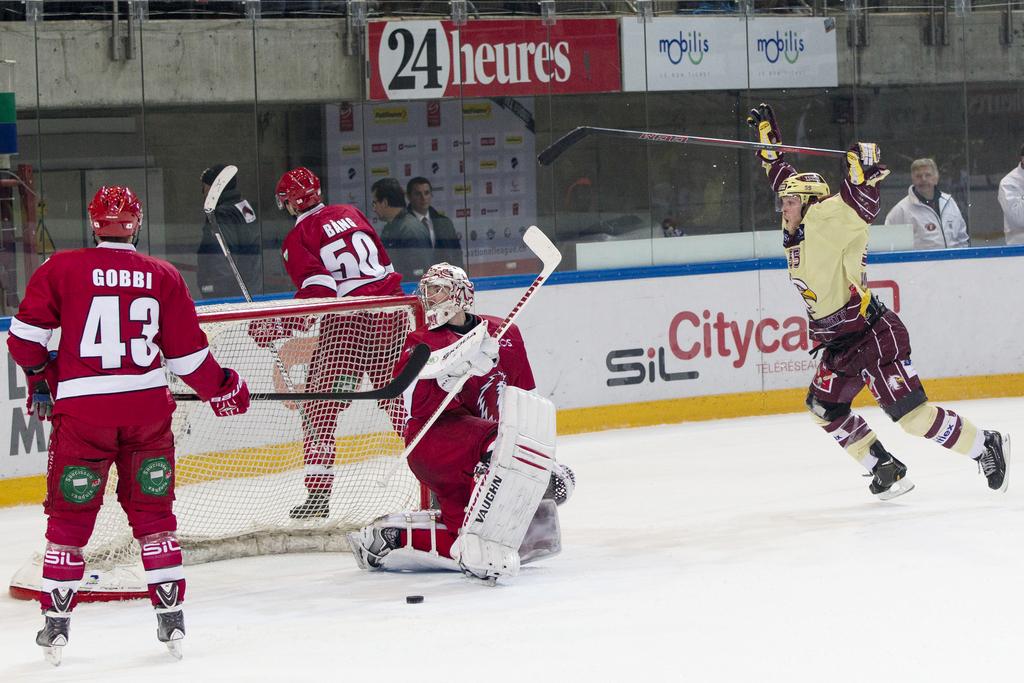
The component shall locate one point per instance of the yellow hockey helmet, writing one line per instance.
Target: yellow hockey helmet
(809, 187)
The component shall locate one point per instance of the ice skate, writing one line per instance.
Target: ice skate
(317, 505)
(371, 544)
(53, 637)
(995, 460)
(888, 476)
(170, 629)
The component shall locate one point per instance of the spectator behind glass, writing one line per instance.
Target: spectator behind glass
(236, 221)
(405, 238)
(447, 248)
(1011, 199)
(934, 215)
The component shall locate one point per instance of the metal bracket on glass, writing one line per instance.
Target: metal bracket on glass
(138, 10)
(253, 11)
(459, 12)
(355, 23)
(547, 12)
(33, 11)
(1006, 30)
(937, 27)
(857, 25)
(644, 11)
(962, 7)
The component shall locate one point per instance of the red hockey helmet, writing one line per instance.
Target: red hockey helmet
(115, 212)
(299, 187)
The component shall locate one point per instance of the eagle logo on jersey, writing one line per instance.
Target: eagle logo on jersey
(806, 292)
(895, 383)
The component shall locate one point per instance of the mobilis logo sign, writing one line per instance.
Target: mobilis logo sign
(787, 44)
(693, 45)
(692, 335)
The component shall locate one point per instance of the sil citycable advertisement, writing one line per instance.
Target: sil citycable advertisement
(436, 59)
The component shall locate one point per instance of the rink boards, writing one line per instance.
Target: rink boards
(643, 346)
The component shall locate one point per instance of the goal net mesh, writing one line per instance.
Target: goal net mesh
(237, 478)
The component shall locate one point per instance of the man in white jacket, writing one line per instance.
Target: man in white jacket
(937, 221)
(1011, 198)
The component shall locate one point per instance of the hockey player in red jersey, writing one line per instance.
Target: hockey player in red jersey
(120, 313)
(825, 238)
(456, 452)
(332, 251)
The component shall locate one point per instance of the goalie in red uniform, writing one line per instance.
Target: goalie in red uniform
(489, 457)
(120, 313)
(332, 251)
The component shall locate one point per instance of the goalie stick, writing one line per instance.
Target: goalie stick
(550, 257)
(562, 144)
(418, 358)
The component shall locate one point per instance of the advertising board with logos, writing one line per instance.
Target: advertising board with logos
(478, 155)
(412, 60)
(728, 53)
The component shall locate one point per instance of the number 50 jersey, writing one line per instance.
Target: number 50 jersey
(119, 311)
(334, 251)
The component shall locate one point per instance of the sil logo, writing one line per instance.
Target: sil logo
(628, 368)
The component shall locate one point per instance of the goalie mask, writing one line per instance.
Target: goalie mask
(444, 290)
(115, 211)
(809, 187)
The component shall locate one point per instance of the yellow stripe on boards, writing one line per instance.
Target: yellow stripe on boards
(284, 457)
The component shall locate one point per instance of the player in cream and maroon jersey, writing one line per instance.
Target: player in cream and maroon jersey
(825, 237)
(120, 314)
(447, 458)
(332, 251)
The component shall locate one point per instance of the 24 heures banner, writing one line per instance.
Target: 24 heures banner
(433, 59)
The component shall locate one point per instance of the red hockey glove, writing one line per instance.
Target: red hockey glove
(762, 119)
(233, 396)
(42, 385)
(266, 331)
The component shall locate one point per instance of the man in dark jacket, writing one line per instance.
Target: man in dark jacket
(406, 239)
(236, 220)
(444, 239)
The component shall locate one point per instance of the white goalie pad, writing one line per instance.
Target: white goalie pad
(405, 558)
(505, 499)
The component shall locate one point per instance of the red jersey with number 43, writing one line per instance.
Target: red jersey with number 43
(334, 251)
(119, 311)
(480, 396)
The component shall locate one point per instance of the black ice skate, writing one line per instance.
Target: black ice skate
(995, 460)
(317, 505)
(54, 636)
(888, 476)
(170, 629)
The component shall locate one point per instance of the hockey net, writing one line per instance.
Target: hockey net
(238, 477)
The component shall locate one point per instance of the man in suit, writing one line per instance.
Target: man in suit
(444, 240)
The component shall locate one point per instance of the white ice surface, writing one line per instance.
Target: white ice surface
(740, 550)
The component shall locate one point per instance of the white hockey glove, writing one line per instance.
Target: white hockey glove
(477, 363)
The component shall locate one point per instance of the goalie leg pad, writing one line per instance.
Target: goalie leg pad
(506, 497)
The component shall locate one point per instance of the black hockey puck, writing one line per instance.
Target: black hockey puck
(414, 599)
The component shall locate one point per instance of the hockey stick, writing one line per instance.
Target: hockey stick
(210, 207)
(559, 146)
(418, 358)
(550, 257)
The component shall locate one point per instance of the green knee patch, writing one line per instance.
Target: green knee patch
(154, 476)
(79, 484)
